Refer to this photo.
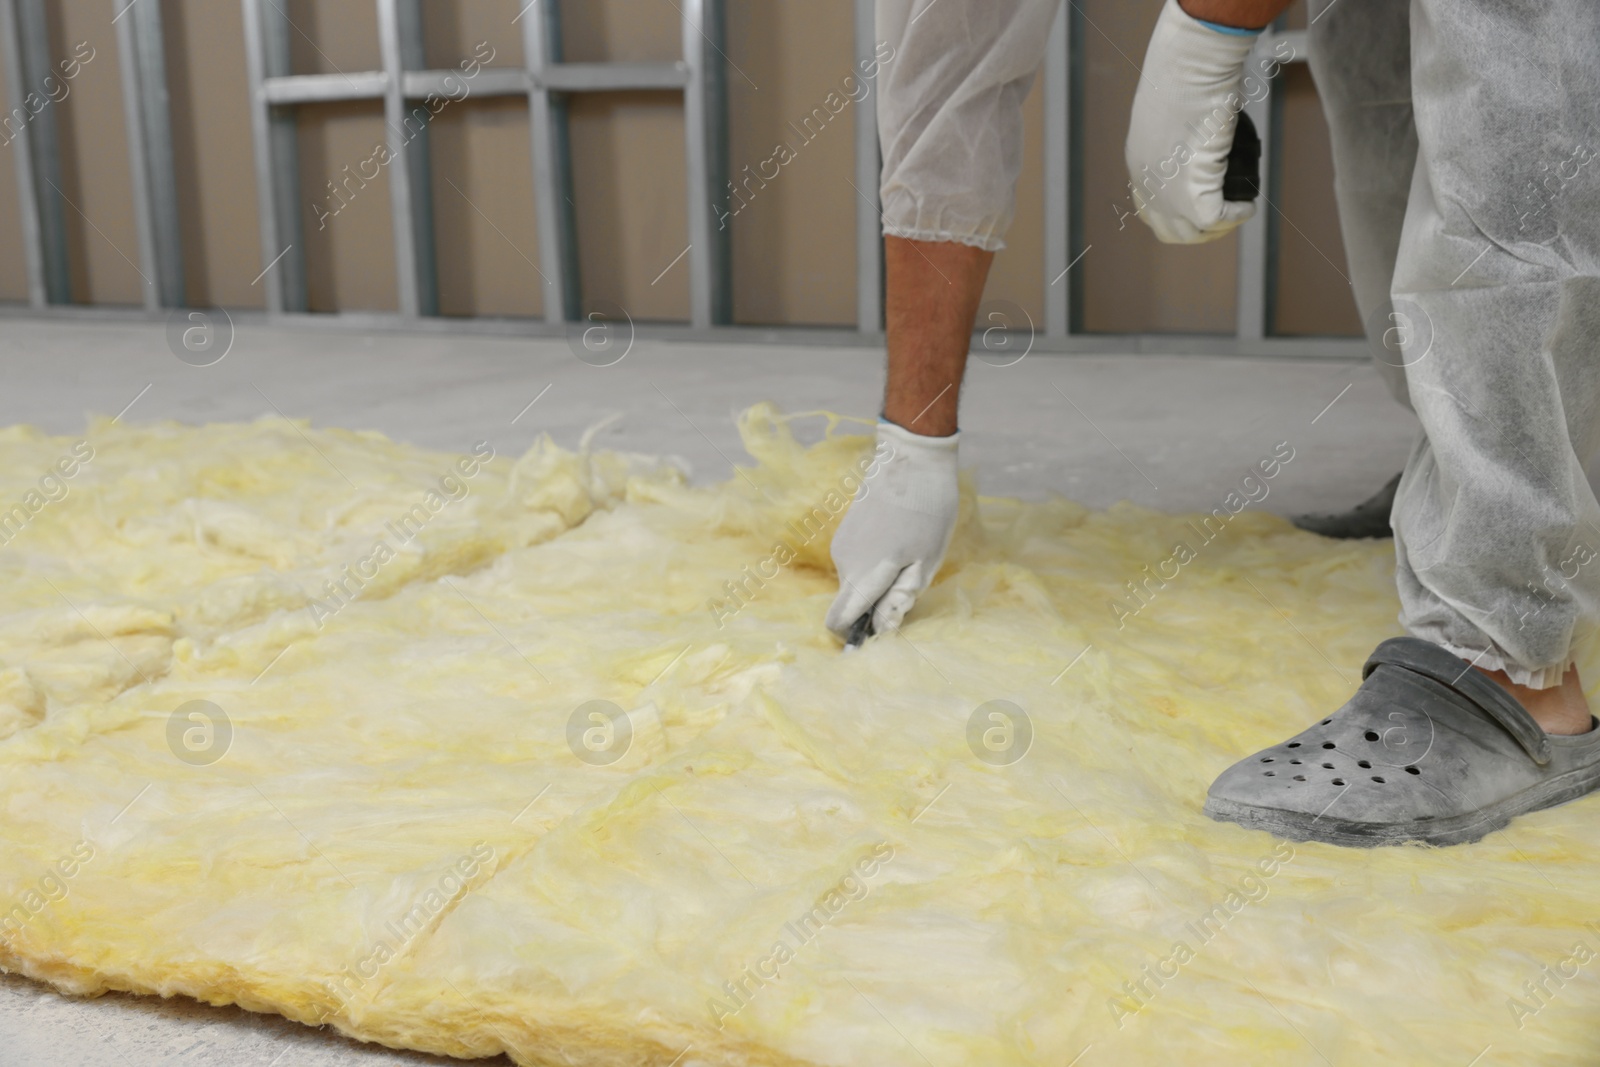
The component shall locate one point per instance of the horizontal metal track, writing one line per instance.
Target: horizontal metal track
(609, 77)
(324, 88)
(490, 81)
(1109, 344)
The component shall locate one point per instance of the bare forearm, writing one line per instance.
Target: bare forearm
(932, 296)
(1243, 14)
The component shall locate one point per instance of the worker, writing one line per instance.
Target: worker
(1464, 137)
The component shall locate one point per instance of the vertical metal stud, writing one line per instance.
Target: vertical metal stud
(277, 159)
(1251, 299)
(552, 167)
(153, 174)
(1254, 302)
(33, 137)
(399, 170)
(705, 126)
(869, 171)
(1058, 183)
(15, 133)
(418, 154)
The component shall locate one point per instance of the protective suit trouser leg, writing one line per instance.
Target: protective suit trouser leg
(1497, 531)
(950, 113)
(1360, 57)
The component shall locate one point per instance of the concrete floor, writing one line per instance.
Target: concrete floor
(1174, 433)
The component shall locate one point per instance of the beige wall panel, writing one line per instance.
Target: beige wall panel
(452, 30)
(629, 187)
(332, 36)
(483, 218)
(628, 162)
(349, 240)
(213, 154)
(102, 236)
(1314, 294)
(623, 31)
(793, 223)
(13, 264)
(1132, 282)
(1018, 272)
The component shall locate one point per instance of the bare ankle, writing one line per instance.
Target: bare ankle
(1560, 709)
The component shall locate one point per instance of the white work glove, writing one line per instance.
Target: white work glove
(1184, 114)
(892, 540)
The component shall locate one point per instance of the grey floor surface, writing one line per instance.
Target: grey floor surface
(1175, 433)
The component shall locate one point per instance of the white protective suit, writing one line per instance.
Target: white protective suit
(1466, 142)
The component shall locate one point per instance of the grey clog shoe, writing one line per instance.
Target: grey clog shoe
(1370, 518)
(1427, 750)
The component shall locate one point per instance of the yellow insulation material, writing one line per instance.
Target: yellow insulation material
(559, 761)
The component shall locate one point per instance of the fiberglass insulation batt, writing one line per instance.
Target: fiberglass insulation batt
(553, 756)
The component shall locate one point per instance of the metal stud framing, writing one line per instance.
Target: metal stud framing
(547, 82)
(410, 186)
(1060, 177)
(1258, 238)
(869, 164)
(32, 135)
(277, 157)
(150, 164)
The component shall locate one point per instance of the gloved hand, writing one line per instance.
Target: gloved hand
(893, 538)
(1184, 113)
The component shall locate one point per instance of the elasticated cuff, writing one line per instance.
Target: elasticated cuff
(1494, 660)
(915, 442)
(909, 233)
(1231, 31)
(962, 220)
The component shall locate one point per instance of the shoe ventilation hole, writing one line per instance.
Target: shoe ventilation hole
(1292, 744)
(1363, 764)
(1338, 781)
(1299, 777)
(1327, 766)
(1326, 721)
(1295, 762)
(1329, 744)
(1266, 759)
(1371, 735)
(1375, 778)
(1412, 770)
(1271, 773)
